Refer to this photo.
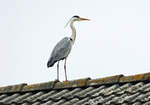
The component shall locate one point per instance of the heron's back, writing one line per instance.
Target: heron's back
(60, 51)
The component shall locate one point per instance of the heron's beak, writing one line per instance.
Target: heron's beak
(84, 19)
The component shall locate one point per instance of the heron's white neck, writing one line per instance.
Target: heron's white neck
(73, 36)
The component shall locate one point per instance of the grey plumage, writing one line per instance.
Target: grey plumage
(60, 51)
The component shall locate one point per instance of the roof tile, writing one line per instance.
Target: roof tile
(48, 103)
(59, 102)
(44, 96)
(130, 98)
(147, 103)
(10, 98)
(72, 84)
(71, 102)
(95, 101)
(141, 97)
(22, 97)
(139, 77)
(134, 88)
(3, 96)
(125, 104)
(83, 93)
(34, 96)
(143, 88)
(147, 89)
(120, 99)
(122, 88)
(56, 96)
(110, 90)
(70, 94)
(106, 80)
(106, 99)
(36, 103)
(81, 101)
(94, 91)
(137, 103)
(25, 104)
(40, 86)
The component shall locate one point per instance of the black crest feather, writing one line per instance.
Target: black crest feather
(76, 16)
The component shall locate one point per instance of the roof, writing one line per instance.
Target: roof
(114, 90)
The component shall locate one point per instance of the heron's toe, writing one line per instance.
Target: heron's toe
(56, 80)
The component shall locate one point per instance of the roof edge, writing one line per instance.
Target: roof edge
(12, 88)
(75, 83)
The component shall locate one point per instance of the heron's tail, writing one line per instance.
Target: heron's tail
(50, 62)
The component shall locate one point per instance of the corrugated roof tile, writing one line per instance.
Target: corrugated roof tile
(110, 90)
(3, 96)
(121, 89)
(31, 98)
(71, 94)
(26, 104)
(90, 93)
(144, 87)
(36, 103)
(82, 93)
(95, 100)
(81, 101)
(48, 103)
(44, 96)
(8, 99)
(21, 97)
(71, 102)
(114, 100)
(142, 97)
(105, 91)
(56, 96)
(106, 99)
(130, 98)
(134, 88)
(147, 103)
(137, 103)
(60, 102)
(125, 104)
(147, 89)
(120, 98)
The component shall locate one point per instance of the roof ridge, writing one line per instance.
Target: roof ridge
(75, 83)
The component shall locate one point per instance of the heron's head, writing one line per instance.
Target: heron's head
(77, 18)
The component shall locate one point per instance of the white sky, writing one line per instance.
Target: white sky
(116, 41)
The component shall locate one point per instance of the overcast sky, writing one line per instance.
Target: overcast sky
(115, 41)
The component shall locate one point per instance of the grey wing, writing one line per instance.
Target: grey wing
(60, 51)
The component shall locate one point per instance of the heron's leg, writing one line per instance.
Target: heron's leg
(65, 69)
(58, 70)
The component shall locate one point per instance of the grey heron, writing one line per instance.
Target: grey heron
(63, 47)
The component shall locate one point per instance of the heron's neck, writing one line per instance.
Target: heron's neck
(73, 36)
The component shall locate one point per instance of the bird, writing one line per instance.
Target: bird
(63, 47)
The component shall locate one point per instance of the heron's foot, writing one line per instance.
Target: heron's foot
(56, 80)
(66, 80)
